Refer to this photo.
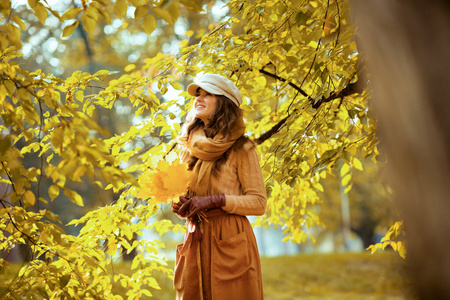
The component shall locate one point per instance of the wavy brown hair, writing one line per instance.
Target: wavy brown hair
(224, 118)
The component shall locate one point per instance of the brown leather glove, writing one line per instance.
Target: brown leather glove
(200, 203)
(177, 205)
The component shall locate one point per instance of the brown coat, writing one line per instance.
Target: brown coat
(225, 263)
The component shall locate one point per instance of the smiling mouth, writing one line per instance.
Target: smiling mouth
(199, 107)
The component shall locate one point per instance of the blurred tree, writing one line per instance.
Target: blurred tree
(371, 206)
(407, 49)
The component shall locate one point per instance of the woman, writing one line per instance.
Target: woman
(219, 258)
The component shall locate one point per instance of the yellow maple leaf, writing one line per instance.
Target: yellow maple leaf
(165, 182)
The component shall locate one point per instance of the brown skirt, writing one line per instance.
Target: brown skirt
(224, 265)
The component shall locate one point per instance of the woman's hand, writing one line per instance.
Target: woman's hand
(177, 205)
(200, 203)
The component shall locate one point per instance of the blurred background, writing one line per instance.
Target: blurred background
(334, 266)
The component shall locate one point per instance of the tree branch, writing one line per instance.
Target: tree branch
(268, 134)
(296, 87)
(350, 89)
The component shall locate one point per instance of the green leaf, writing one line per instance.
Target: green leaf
(120, 8)
(149, 24)
(70, 29)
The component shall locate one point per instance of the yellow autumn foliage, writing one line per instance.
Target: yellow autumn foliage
(165, 182)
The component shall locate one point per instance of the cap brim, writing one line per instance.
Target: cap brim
(192, 88)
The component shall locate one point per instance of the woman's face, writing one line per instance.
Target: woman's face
(204, 105)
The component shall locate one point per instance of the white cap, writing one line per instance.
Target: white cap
(217, 85)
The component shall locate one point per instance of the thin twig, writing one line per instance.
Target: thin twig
(296, 87)
(11, 181)
(40, 152)
(339, 24)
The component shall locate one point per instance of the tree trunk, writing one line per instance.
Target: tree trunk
(407, 46)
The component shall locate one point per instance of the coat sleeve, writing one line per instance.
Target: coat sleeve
(253, 200)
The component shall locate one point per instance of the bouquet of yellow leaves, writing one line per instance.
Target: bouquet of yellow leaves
(168, 180)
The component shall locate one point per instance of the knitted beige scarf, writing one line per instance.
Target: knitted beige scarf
(208, 150)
